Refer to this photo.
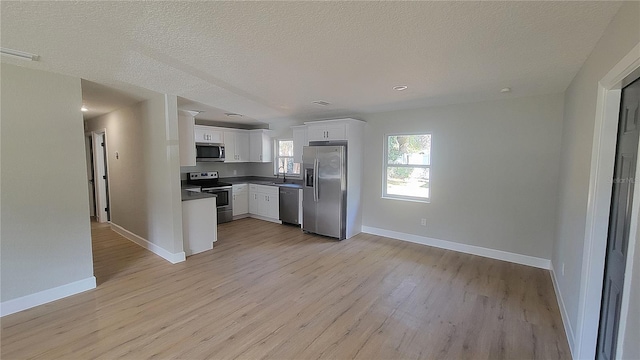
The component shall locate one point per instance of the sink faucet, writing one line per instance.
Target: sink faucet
(284, 174)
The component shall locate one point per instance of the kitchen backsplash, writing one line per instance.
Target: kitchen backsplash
(230, 169)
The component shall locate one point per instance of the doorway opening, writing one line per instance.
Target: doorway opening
(98, 175)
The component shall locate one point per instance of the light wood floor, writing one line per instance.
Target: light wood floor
(269, 291)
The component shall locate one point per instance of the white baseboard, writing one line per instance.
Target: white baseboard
(563, 312)
(464, 248)
(42, 297)
(173, 258)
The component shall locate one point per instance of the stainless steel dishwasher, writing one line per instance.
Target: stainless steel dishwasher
(289, 198)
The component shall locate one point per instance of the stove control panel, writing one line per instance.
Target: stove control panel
(203, 175)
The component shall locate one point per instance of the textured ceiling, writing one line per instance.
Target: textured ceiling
(270, 60)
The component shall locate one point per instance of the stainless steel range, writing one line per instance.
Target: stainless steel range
(208, 182)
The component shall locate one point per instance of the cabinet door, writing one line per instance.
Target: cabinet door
(327, 131)
(242, 146)
(267, 148)
(316, 133)
(216, 136)
(259, 147)
(186, 139)
(336, 132)
(230, 147)
(255, 147)
(262, 204)
(201, 134)
(208, 134)
(272, 209)
(299, 142)
(253, 202)
(240, 199)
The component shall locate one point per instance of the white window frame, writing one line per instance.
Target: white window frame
(276, 160)
(386, 165)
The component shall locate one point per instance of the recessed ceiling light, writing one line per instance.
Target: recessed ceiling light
(19, 54)
(505, 90)
(321, 102)
(233, 114)
(400, 87)
(84, 109)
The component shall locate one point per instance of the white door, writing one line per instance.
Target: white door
(88, 154)
(100, 178)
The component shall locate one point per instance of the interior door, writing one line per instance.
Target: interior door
(619, 220)
(330, 190)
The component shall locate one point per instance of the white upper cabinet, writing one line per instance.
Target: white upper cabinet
(236, 145)
(186, 138)
(208, 134)
(230, 146)
(242, 146)
(327, 130)
(299, 142)
(260, 147)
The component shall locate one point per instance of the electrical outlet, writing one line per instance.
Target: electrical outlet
(562, 269)
(423, 222)
(235, 172)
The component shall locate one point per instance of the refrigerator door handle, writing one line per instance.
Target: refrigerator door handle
(315, 180)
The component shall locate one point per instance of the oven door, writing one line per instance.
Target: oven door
(223, 197)
(209, 152)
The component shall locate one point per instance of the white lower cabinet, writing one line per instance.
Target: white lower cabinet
(263, 202)
(240, 199)
(199, 225)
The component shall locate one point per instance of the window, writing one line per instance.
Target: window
(407, 167)
(284, 161)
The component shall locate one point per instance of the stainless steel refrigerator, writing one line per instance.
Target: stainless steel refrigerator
(324, 201)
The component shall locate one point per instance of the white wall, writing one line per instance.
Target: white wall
(577, 137)
(494, 174)
(145, 179)
(46, 235)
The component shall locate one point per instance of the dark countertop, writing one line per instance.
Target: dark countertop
(191, 195)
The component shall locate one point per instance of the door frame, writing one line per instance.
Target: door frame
(97, 185)
(598, 208)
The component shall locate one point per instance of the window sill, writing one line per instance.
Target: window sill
(424, 201)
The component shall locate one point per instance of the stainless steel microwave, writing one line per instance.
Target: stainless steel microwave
(206, 152)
